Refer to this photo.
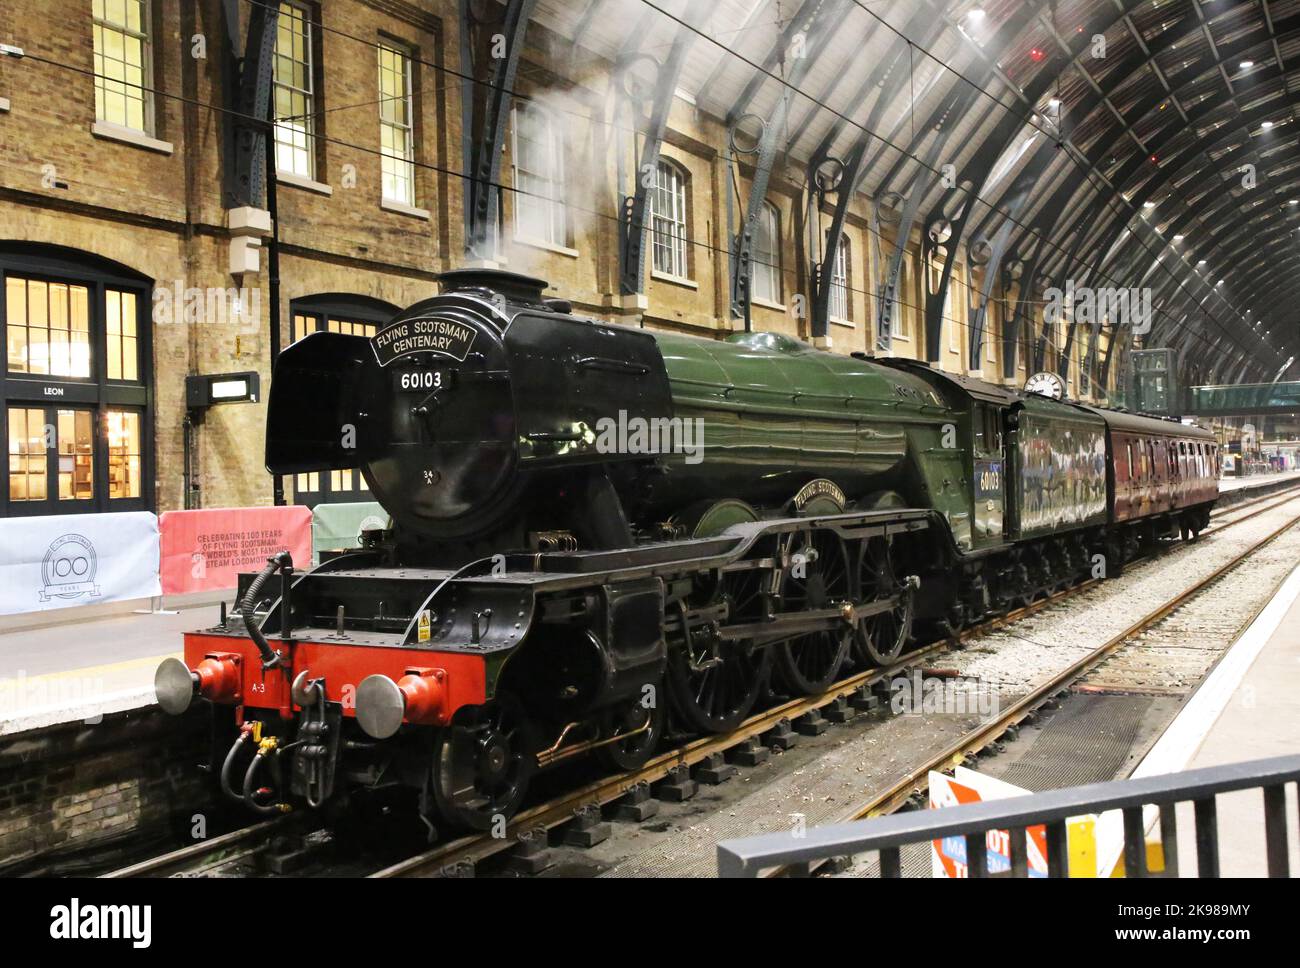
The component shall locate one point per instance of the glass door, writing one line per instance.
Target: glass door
(51, 452)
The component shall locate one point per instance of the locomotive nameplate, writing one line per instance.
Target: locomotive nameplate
(423, 334)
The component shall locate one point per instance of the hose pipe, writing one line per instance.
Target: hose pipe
(228, 767)
(266, 753)
(270, 658)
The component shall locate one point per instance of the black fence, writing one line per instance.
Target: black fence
(750, 856)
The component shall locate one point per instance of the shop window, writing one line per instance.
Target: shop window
(75, 395)
(76, 450)
(124, 456)
(123, 355)
(48, 327)
(27, 455)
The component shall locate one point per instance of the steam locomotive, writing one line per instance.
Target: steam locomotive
(599, 534)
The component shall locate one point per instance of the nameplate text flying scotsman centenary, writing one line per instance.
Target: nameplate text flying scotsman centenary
(423, 334)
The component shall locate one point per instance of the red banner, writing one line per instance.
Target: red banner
(205, 550)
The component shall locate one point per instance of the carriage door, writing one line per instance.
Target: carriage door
(989, 487)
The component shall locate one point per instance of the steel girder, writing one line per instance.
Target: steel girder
(1147, 108)
(935, 300)
(889, 76)
(821, 274)
(977, 310)
(816, 22)
(1134, 165)
(246, 92)
(632, 226)
(1157, 182)
(1166, 174)
(946, 222)
(486, 97)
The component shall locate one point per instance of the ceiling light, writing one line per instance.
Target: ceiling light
(1178, 238)
(976, 14)
(1148, 204)
(1246, 65)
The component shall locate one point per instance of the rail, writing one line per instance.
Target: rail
(750, 856)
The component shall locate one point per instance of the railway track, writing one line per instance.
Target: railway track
(200, 859)
(460, 856)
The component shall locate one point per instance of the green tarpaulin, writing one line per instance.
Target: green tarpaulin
(338, 526)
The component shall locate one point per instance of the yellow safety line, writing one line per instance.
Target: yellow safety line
(96, 671)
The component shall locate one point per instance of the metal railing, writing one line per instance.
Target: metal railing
(750, 856)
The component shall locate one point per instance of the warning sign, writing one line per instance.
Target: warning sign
(948, 855)
(425, 626)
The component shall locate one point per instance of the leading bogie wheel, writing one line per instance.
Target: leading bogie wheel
(482, 763)
(641, 723)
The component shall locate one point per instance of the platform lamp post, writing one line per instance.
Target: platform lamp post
(208, 390)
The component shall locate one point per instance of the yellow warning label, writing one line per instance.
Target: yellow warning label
(425, 626)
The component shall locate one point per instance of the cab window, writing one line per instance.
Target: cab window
(987, 422)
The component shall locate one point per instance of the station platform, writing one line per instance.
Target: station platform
(83, 668)
(1248, 708)
(1252, 481)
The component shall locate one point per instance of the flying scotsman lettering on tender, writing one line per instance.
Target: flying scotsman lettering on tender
(423, 334)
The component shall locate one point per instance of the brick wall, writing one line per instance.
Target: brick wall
(74, 787)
